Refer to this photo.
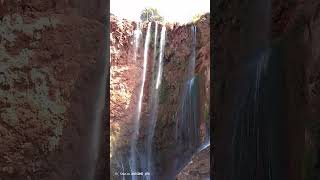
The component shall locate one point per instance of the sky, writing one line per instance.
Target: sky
(172, 10)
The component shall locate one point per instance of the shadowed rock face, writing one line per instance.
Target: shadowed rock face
(198, 168)
(52, 58)
(125, 80)
(294, 52)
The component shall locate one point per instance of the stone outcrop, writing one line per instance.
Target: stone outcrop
(198, 168)
(49, 53)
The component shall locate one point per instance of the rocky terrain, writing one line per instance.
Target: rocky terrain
(125, 79)
(198, 168)
(50, 54)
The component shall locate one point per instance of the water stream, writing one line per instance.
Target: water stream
(137, 37)
(155, 40)
(133, 145)
(96, 127)
(252, 139)
(187, 88)
(155, 105)
(188, 125)
(160, 65)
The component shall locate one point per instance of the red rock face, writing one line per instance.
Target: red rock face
(126, 80)
(48, 61)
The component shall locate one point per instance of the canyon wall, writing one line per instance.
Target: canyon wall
(51, 57)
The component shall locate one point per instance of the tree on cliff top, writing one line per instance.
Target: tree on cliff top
(196, 17)
(150, 14)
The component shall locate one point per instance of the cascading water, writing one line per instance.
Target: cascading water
(188, 84)
(155, 105)
(144, 158)
(251, 139)
(137, 37)
(193, 56)
(155, 40)
(96, 127)
(133, 146)
(255, 102)
(160, 65)
(187, 126)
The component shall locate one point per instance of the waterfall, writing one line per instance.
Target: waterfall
(137, 36)
(189, 83)
(96, 127)
(155, 40)
(155, 105)
(193, 55)
(133, 148)
(187, 117)
(255, 113)
(251, 139)
(162, 43)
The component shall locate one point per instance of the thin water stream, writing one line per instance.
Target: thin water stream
(187, 117)
(155, 105)
(96, 127)
(133, 146)
(137, 37)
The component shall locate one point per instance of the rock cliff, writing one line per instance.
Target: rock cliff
(50, 52)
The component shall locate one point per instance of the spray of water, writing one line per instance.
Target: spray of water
(133, 148)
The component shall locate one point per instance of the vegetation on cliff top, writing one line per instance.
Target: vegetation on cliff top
(151, 14)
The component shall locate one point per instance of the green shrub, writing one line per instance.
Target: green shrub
(196, 17)
(151, 14)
